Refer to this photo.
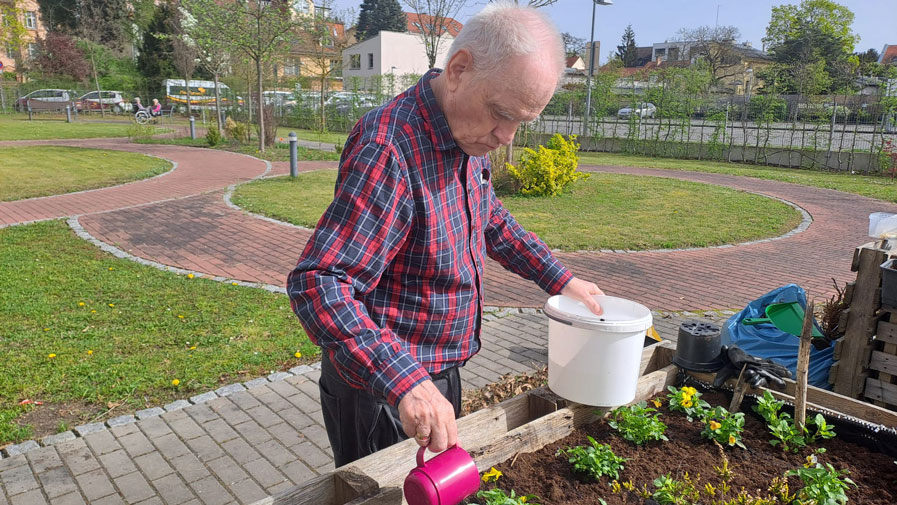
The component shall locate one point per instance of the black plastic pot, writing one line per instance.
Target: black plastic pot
(698, 347)
(889, 283)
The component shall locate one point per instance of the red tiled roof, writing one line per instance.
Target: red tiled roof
(415, 21)
(571, 60)
(651, 65)
(889, 55)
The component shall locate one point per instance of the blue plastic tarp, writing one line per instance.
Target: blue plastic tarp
(767, 341)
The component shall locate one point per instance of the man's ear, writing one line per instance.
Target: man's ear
(460, 62)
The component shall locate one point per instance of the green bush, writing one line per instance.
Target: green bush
(236, 131)
(550, 170)
(213, 137)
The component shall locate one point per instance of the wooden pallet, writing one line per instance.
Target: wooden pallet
(521, 424)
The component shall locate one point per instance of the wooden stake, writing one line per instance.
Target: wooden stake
(738, 391)
(803, 366)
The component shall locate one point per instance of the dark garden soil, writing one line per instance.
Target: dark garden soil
(551, 478)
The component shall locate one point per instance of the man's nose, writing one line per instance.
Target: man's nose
(504, 132)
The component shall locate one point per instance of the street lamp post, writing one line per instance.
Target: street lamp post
(588, 112)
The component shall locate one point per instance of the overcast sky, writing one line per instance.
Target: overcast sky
(659, 20)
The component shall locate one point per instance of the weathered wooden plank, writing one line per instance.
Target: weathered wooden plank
(862, 322)
(883, 362)
(887, 332)
(826, 399)
(882, 391)
(341, 486)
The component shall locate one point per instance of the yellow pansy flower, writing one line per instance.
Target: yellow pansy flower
(492, 475)
(656, 402)
(690, 391)
(714, 425)
(686, 402)
(731, 439)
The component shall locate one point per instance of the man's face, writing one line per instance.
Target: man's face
(484, 112)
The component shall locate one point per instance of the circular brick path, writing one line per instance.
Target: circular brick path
(182, 219)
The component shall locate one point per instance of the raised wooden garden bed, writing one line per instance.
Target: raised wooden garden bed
(524, 424)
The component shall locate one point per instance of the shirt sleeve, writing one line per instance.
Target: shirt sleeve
(355, 240)
(520, 251)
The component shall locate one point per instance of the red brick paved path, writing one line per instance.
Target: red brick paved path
(202, 233)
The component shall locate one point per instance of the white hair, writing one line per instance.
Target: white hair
(503, 30)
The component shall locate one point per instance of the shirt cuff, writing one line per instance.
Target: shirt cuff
(554, 278)
(396, 377)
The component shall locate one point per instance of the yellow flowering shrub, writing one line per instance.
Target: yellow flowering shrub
(549, 170)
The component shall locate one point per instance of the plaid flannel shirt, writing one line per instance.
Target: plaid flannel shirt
(391, 282)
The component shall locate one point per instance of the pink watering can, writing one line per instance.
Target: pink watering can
(446, 479)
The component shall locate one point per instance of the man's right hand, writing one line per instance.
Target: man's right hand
(428, 417)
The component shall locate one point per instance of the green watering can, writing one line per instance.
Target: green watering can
(787, 317)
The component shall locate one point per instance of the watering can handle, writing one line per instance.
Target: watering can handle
(750, 321)
(422, 450)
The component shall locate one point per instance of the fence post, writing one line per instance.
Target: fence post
(294, 168)
(192, 128)
(68, 114)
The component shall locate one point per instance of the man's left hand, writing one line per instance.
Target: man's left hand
(583, 291)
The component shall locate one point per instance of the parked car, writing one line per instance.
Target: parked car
(46, 95)
(111, 100)
(283, 100)
(360, 103)
(642, 110)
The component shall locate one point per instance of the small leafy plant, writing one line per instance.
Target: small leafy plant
(594, 461)
(498, 496)
(823, 485)
(637, 424)
(675, 492)
(782, 426)
(723, 426)
(688, 401)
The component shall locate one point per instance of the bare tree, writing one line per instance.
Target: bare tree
(184, 52)
(433, 20)
(203, 23)
(717, 46)
(323, 40)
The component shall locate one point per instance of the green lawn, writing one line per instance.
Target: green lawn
(32, 171)
(882, 188)
(18, 127)
(605, 211)
(85, 330)
(278, 152)
(336, 138)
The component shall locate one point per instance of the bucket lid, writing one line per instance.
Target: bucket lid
(620, 315)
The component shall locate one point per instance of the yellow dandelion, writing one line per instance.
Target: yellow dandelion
(112, 305)
(51, 355)
(94, 311)
(110, 268)
(731, 439)
(492, 475)
(192, 347)
(714, 425)
(46, 329)
(298, 354)
(656, 402)
(233, 283)
(90, 352)
(80, 304)
(180, 316)
(190, 276)
(175, 382)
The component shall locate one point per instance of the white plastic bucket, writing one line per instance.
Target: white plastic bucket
(595, 360)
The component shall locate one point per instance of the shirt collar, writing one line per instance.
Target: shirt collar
(440, 133)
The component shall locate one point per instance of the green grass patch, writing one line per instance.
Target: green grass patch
(32, 171)
(335, 138)
(18, 127)
(605, 211)
(82, 328)
(882, 188)
(277, 152)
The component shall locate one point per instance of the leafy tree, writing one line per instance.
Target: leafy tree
(11, 36)
(813, 53)
(792, 21)
(58, 56)
(103, 21)
(717, 47)
(325, 42)
(573, 46)
(377, 15)
(203, 23)
(434, 16)
(155, 58)
(627, 51)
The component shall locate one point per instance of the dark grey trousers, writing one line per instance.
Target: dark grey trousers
(359, 423)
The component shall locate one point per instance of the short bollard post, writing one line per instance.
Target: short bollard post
(294, 168)
(192, 128)
(75, 110)
(68, 114)
(30, 115)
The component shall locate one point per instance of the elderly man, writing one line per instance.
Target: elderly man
(390, 285)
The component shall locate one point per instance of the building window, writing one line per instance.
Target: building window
(31, 20)
(354, 62)
(32, 50)
(301, 6)
(370, 61)
(291, 67)
(10, 51)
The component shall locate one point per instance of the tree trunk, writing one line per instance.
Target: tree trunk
(187, 88)
(218, 120)
(323, 112)
(96, 82)
(261, 106)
